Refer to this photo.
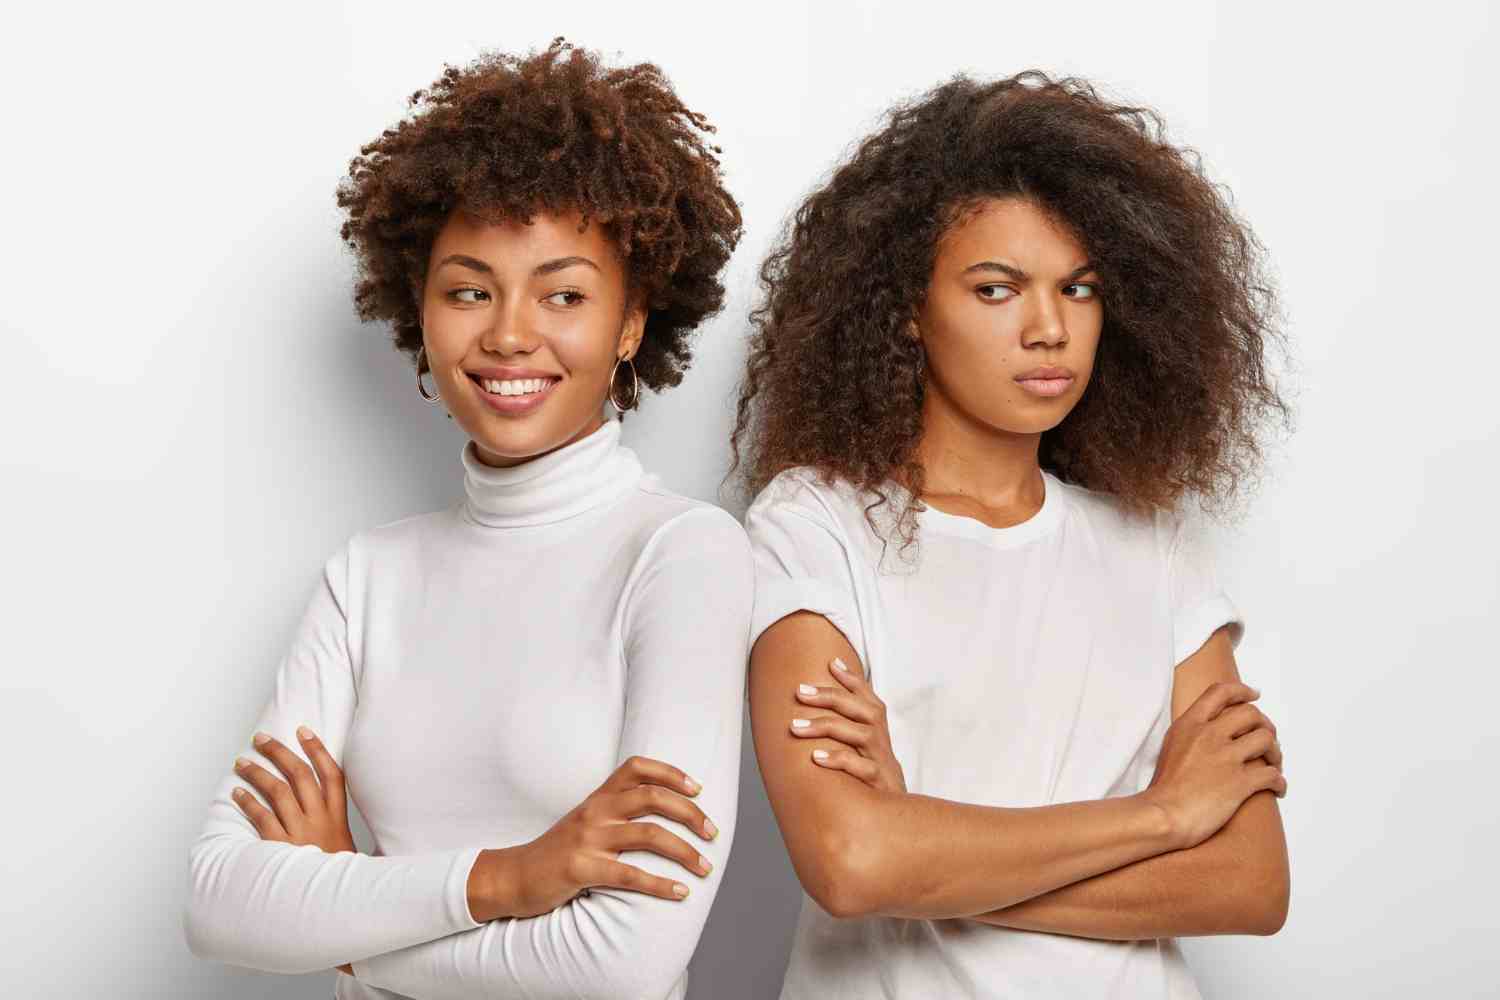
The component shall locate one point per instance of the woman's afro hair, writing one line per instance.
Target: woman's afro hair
(835, 380)
(508, 137)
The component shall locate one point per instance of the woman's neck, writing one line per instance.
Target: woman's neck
(975, 470)
(592, 471)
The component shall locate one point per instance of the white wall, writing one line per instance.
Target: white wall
(194, 419)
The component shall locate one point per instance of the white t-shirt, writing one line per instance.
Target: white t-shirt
(477, 672)
(1020, 666)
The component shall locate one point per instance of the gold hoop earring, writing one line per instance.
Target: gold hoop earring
(635, 387)
(422, 389)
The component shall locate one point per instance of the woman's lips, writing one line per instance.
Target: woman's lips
(518, 405)
(1045, 386)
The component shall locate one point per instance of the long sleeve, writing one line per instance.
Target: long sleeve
(294, 909)
(685, 627)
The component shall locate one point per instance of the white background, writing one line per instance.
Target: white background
(194, 419)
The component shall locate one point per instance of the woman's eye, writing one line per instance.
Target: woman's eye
(1083, 292)
(459, 293)
(567, 297)
(996, 293)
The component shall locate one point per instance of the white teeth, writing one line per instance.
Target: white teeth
(514, 386)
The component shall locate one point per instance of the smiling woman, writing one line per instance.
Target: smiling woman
(543, 234)
(527, 319)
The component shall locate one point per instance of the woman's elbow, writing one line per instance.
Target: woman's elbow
(195, 931)
(212, 938)
(842, 877)
(1266, 901)
(1273, 909)
(198, 913)
(209, 937)
(217, 928)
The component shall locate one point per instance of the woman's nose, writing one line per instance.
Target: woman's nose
(1046, 326)
(510, 333)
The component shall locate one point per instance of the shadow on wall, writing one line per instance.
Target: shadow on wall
(743, 951)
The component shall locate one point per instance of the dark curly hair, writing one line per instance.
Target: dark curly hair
(834, 378)
(510, 136)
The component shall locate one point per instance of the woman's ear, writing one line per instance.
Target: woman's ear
(633, 328)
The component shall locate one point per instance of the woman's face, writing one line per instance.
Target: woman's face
(523, 325)
(1011, 321)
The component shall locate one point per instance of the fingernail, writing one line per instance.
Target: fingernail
(838, 664)
(710, 829)
(260, 739)
(800, 723)
(692, 786)
(806, 689)
(679, 890)
(238, 793)
(304, 733)
(820, 755)
(240, 763)
(704, 865)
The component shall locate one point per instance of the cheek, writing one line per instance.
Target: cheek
(447, 337)
(971, 345)
(586, 351)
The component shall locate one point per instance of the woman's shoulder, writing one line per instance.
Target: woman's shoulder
(1113, 521)
(667, 520)
(398, 539)
(809, 492)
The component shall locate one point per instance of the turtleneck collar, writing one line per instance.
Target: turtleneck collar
(588, 473)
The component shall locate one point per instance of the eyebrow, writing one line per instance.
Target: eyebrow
(1020, 275)
(546, 267)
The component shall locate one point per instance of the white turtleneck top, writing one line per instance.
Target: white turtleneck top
(477, 672)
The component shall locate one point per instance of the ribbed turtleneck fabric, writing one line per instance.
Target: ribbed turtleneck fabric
(478, 672)
(594, 471)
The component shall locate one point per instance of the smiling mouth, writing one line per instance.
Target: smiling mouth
(513, 386)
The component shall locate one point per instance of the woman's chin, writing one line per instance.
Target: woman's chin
(522, 440)
(513, 449)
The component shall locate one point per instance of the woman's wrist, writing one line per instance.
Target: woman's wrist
(1162, 828)
(492, 885)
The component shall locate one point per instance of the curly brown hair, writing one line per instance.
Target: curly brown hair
(834, 378)
(510, 136)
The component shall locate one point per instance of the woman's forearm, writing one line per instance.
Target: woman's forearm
(1236, 882)
(861, 850)
(290, 909)
(920, 857)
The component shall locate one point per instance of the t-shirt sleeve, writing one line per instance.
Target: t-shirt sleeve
(1200, 605)
(801, 562)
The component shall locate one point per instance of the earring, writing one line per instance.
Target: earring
(422, 389)
(635, 387)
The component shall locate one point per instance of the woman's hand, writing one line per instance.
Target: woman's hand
(1216, 755)
(859, 723)
(312, 809)
(582, 849)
